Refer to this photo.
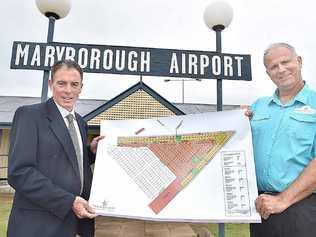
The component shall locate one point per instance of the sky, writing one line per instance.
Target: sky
(172, 24)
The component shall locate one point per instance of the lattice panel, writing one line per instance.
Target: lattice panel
(4, 141)
(3, 167)
(139, 105)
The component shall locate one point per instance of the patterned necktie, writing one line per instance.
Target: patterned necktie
(75, 141)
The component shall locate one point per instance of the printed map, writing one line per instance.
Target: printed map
(191, 168)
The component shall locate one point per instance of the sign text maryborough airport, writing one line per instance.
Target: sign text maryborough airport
(133, 60)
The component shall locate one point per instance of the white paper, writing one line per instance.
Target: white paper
(134, 180)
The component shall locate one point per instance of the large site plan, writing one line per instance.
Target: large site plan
(183, 168)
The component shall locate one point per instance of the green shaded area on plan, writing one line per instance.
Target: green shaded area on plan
(195, 160)
(178, 138)
(195, 171)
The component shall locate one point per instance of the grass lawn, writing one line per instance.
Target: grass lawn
(5, 206)
(231, 230)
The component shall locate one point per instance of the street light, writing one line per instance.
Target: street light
(182, 80)
(54, 10)
(217, 16)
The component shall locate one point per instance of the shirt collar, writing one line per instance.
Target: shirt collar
(64, 112)
(300, 97)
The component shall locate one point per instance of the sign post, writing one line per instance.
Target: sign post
(50, 35)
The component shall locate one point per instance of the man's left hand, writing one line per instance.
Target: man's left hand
(94, 143)
(270, 204)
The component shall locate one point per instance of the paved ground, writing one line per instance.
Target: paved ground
(116, 227)
(119, 227)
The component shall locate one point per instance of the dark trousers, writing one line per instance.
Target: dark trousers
(299, 220)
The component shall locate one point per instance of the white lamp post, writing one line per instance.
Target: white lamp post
(217, 16)
(54, 10)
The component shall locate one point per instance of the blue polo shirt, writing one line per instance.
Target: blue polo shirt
(284, 138)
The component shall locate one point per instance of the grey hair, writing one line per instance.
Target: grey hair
(278, 45)
(69, 64)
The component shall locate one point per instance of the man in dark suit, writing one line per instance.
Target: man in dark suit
(49, 163)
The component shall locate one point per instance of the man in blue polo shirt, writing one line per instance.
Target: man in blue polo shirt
(284, 141)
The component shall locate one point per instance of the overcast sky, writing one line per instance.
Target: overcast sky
(174, 24)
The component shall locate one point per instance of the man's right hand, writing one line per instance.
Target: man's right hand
(82, 209)
(267, 205)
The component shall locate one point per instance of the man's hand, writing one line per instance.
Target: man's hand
(248, 111)
(94, 143)
(270, 204)
(82, 209)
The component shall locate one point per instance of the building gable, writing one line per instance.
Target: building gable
(137, 102)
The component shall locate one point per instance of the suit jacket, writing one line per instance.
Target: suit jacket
(43, 170)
